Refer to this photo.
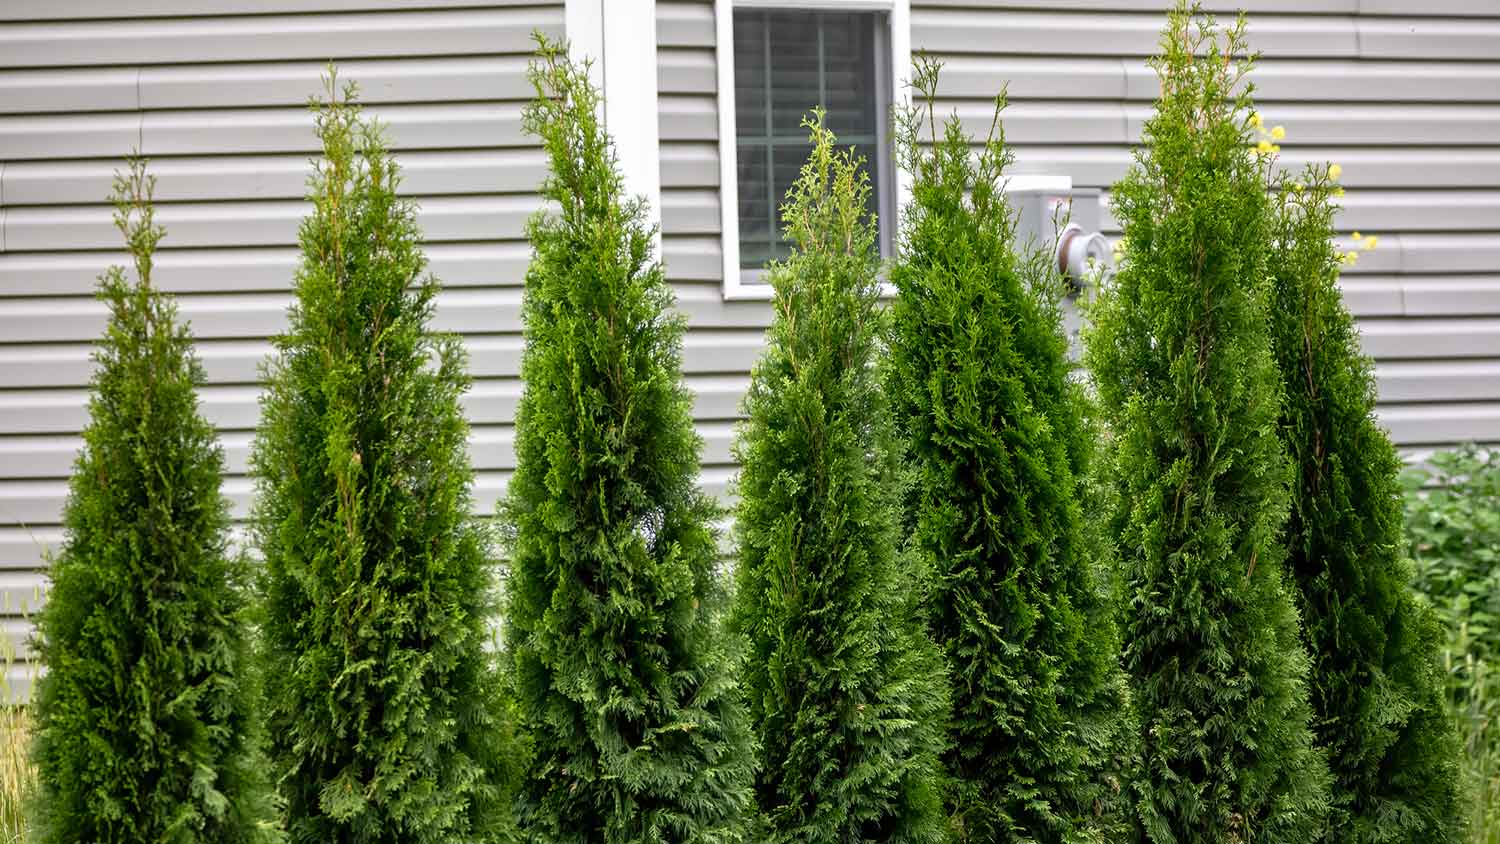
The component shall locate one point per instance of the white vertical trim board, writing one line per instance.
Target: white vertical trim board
(619, 38)
(898, 14)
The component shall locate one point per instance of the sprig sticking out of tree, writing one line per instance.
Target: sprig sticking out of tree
(624, 674)
(1181, 353)
(147, 718)
(998, 444)
(386, 718)
(1377, 686)
(847, 693)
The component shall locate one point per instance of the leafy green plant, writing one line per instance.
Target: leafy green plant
(1376, 686)
(847, 693)
(1453, 521)
(999, 447)
(146, 721)
(624, 675)
(1181, 356)
(386, 714)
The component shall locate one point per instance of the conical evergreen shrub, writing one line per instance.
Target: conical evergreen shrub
(1377, 686)
(847, 693)
(625, 676)
(385, 714)
(997, 441)
(1181, 352)
(147, 719)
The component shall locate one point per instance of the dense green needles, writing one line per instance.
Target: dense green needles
(625, 677)
(1181, 354)
(847, 693)
(979, 383)
(1377, 689)
(146, 717)
(385, 716)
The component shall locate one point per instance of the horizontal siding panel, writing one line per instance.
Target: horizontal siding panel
(316, 37)
(1420, 210)
(1445, 381)
(1374, 168)
(291, 83)
(1359, 125)
(1447, 423)
(220, 178)
(690, 165)
(684, 24)
(491, 447)
(691, 258)
(228, 131)
(687, 118)
(238, 270)
(34, 91)
(251, 315)
(37, 10)
(970, 76)
(1229, 7)
(724, 339)
(1431, 338)
(686, 72)
(1415, 38)
(958, 31)
(690, 211)
(1033, 122)
(1352, 81)
(1451, 296)
(269, 223)
(41, 502)
(65, 411)
(1404, 8)
(1457, 253)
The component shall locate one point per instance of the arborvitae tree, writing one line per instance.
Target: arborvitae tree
(1377, 687)
(385, 718)
(624, 673)
(1181, 351)
(847, 692)
(147, 717)
(994, 426)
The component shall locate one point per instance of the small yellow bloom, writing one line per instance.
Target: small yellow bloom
(1335, 171)
(1278, 132)
(1352, 256)
(1264, 147)
(1275, 147)
(1370, 243)
(1298, 187)
(1358, 236)
(1255, 120)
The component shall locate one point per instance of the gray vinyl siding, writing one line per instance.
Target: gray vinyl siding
(215, 94)
(1405, 94)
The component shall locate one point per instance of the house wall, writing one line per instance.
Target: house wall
(1404, 94)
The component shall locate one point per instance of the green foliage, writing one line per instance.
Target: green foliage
(1453, 521)
(1181, 354)
(847, 693)
(999, 446)
(1376, 687)
(624, 674)
(146, 718)
(386, 719)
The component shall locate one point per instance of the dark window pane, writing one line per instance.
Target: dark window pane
(786, 63)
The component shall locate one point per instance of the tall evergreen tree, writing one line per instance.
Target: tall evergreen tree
(979, 383)
(1181, 351)
(624, 673)
(1377, 688)
(147, 718)
(847, 692)
(385, 714)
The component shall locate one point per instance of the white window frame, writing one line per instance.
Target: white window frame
(737, 283)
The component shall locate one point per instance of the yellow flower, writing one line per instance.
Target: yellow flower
(1358, 236)
(1335, 171)
(1278, 132)
(1264, 147)
(1255, 120)
(1298, 187)
(1370, 244)
(1351, 256)
(1275, 147)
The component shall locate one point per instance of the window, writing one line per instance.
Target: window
(841, 55)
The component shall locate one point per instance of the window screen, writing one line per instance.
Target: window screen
(786, 62)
